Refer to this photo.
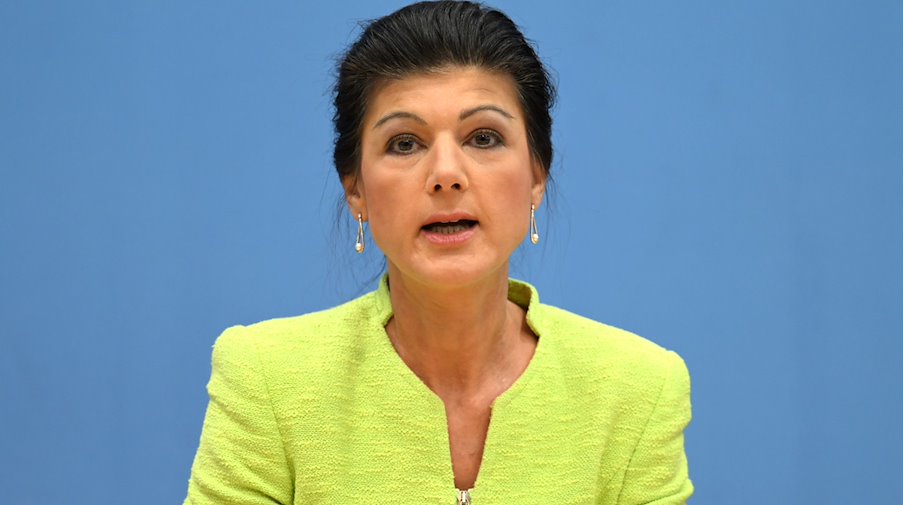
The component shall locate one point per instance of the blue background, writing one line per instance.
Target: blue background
(728, 185)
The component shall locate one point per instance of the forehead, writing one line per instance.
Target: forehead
(452, 89)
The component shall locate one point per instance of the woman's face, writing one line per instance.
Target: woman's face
(446, 179)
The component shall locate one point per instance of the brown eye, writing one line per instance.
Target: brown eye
(403, 144)
(485, 139)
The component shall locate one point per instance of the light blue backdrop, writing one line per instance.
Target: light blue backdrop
(729, 185)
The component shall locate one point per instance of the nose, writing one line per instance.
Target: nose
(447, 171)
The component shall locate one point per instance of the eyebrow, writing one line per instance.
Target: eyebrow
(480, 108)
(398, 115)
(464, 115)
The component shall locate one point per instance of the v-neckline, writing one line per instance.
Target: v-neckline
(519, 292)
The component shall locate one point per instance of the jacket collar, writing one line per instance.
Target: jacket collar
(519, 292)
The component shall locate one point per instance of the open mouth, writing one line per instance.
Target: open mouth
(450, 228)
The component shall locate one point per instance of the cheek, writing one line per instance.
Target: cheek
(510, 205)
(517, 200)
(389, 207)
(516, 187)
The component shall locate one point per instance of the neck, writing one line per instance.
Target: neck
(461, 341)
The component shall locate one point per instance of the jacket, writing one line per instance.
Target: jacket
(320, 409)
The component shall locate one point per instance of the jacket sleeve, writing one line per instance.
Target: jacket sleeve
(241, 458)
(657, 472)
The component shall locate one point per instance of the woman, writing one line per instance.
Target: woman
(450, 381)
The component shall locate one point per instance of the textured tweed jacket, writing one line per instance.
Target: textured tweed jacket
(319, 409)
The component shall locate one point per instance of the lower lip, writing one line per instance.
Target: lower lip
(450, 239)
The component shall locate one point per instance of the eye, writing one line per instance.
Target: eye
(403, 144)
(485, 139)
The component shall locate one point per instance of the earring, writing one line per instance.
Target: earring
(359, 243)
(534, 231)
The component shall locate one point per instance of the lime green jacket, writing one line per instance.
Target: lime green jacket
(319, 409)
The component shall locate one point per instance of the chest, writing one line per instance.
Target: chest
(386, 435)
(417, 450)
(467, 430)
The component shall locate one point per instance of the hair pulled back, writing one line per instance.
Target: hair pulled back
(430, 36)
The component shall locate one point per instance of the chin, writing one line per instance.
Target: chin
(447, 273)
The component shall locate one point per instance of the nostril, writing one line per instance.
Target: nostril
(437, 187)
(456, 186)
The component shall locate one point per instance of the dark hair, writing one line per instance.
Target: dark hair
(428, 36)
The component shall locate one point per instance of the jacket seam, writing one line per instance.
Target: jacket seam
(266, 385)
(636, 446)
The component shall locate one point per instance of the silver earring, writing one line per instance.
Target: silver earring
(534, 231)
(359, 243)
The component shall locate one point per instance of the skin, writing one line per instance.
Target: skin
(439, 146)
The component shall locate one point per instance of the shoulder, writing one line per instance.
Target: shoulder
(292, 341)
(575, 333)
(594, 352)
(348, 316)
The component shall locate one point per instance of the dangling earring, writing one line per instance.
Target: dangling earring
(534, 231)
(359, 243)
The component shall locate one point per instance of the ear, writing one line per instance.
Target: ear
(354, 195)
(538, 191)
